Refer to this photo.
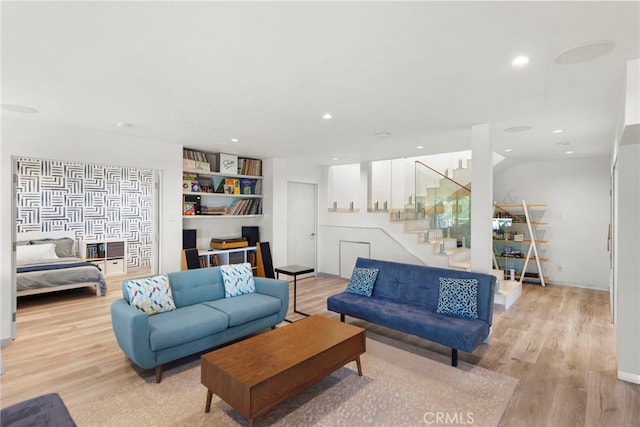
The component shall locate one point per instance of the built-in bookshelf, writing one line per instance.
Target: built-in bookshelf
(220, 185)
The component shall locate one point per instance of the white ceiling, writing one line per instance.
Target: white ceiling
(201, 73)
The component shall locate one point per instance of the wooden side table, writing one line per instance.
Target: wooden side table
(295, 271)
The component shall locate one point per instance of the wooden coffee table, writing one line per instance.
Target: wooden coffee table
(260, 372)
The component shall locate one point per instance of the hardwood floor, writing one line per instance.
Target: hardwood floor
(556, 340)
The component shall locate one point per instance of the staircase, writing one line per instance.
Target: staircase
(439, 219)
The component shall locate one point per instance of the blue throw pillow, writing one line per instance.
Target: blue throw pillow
(362, 281)
(458, 297)
(237, 279)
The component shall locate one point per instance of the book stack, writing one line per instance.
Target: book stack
(193, 159)
(249, 167)
(214, 210)
(246, 207)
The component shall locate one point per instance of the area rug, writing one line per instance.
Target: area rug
(402, 385)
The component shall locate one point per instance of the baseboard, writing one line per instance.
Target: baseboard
(578, 285)
(629, 377)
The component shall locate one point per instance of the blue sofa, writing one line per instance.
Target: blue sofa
(203, 317)
(405, 298)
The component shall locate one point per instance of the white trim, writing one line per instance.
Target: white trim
(629, 377)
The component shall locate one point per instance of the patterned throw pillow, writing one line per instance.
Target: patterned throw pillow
(458, 297)
(362, 281)
(151, 294)
(238, 279)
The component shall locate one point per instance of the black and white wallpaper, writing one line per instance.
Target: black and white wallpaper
(97, 201)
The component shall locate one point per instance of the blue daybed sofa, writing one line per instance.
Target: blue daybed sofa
(202, 319)
(406, 298)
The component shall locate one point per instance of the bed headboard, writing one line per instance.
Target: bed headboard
(35, 235)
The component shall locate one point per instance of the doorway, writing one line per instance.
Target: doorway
(302, 224)
(87, 202)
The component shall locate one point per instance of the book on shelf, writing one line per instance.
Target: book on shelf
(246, 207)
(189, 208)
(206, 184)
(214, 210)
(231, 186)
(248, 166)
(247, 186)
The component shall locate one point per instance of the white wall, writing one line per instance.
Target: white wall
(23, 137)
(577, 194)
(627, 232)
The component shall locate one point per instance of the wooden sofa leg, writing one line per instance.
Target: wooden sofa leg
(342, 317)
(454, 357)
(158, 373)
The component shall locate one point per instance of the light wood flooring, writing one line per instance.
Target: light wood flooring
(557, 341)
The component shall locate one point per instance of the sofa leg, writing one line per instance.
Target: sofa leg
(454, 357)
(158, 373)
(342, 317)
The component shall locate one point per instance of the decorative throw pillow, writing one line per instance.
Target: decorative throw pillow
(28, 254)
(238, 279)
(362, 281)
(65, 247)
(458, 297)
(151, 294)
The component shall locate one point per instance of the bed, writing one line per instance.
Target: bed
(48, 263)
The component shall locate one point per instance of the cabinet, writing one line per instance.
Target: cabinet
(208, 193)
(515, 242)
(229, 256)
(110, 255)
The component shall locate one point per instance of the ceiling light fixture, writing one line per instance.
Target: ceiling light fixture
(419, 147)
(334, 158)
(234, 140)
(569, 152)
(508, 150)
(558, 131)
(327, 116)
(515, 129)
(383, 134)
(18, 108)
(520, 61)
(123, 125)
(584, 52)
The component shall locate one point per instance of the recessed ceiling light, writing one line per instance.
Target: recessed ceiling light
(520, 61)
(383, 134)
(508, 150)
(234, 140)
(123, 125)
(419, 147)
(327, 116)
(585, 52)
(18, 108)
(558, 131)
(334, 158)
(515, 129)
(569, 152)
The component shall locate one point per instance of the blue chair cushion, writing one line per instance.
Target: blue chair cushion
(187, 324)
(247, 307)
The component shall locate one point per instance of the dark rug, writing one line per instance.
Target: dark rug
(47, 410)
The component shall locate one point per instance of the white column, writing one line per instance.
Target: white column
(481, 199)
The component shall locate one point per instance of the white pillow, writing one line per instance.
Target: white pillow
(238, 279)
(29, 254)
(151, 294)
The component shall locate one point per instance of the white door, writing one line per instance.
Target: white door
(301, 224)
